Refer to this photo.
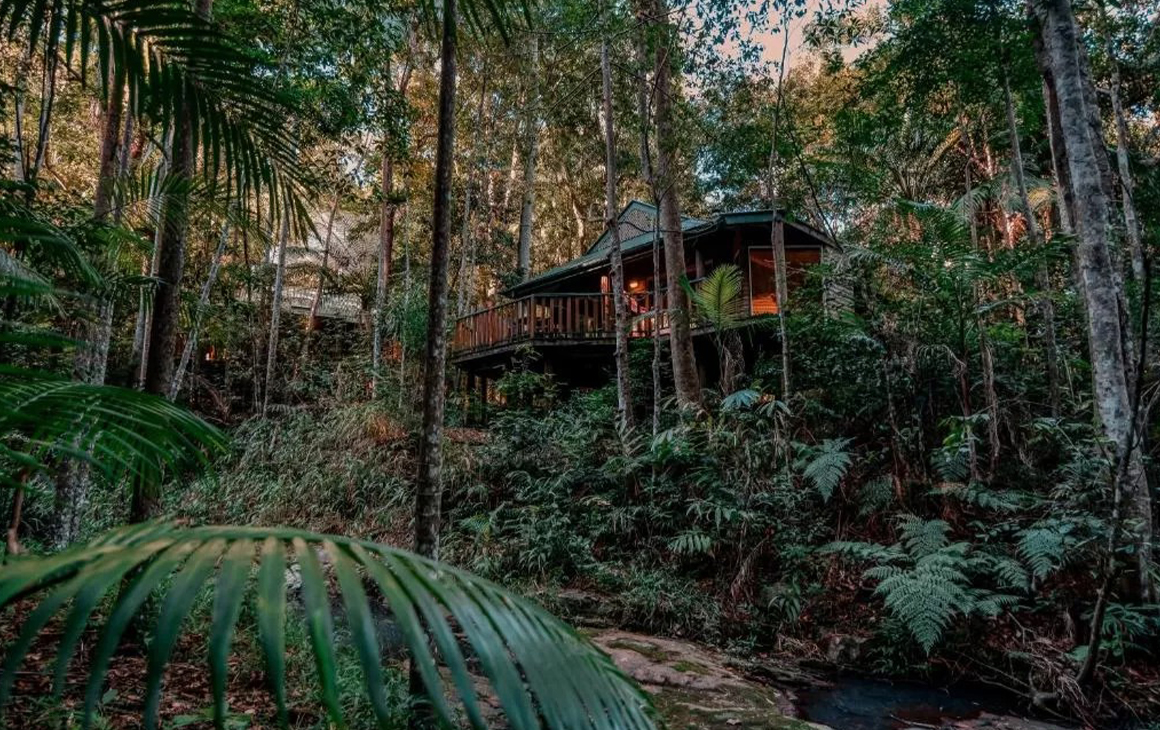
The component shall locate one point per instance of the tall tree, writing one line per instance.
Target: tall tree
(777, 227)
(1083, 148)
(429, 462)
(612, 226)
(389, 211)
(91, 360)
(685, 378)
(531, 142)
(146, 492)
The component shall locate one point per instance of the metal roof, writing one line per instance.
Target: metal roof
(629, 220)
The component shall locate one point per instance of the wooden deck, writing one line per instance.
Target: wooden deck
(552, 319)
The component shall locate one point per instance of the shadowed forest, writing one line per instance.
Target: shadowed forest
(514, 363)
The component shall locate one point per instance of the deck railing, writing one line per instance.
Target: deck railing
(556, 317)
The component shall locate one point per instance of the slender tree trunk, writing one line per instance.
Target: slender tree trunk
(92, 355)
(646, 169)
(429, 491)
(513, 175)
(465, 280)
(428, 480)
(685, 379)
(623, 384)
(1043, 280)
(199, 313)
(149, 266)
(1110, 363)
(23, 69)
(47, 98)
(531, 140)
(146, 493)
(276, 310)
(386, 244)
(1127, 184)
(15, 516)
(777, 227)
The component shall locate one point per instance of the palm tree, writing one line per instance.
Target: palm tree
(719, 302)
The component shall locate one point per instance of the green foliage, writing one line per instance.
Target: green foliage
(926, 581)
(824, 466)
(718, 298)
(510, 637)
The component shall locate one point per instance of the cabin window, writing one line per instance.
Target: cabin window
(763, 297)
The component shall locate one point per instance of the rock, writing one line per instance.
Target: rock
(693, 687)
(987, 721)
(844, 649)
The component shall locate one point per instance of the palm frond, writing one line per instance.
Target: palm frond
(718, 297)
(174, 63)
(119, 431)
(541, 671)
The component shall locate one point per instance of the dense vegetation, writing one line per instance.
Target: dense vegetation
(263, 216)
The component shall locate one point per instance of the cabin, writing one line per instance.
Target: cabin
(566, 314)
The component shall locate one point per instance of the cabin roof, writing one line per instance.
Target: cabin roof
(636, 224)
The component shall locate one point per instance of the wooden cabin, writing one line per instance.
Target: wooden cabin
(566, 314)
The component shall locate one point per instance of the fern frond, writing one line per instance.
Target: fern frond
(827, 466)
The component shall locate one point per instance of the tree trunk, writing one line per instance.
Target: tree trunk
(646, 171)
(465, 279)
(1127, 185)
(146, 495)
(276, 310)
(149, 266)
(685, 380)
(386, 244)
(47, 99)
(777, 227)
(623, 385)
(428, 479)
(1083, 148)
(531, 138)
(202, 303)
(90, 362)
(1043, 279)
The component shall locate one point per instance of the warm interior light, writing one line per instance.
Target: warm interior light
(635, 285)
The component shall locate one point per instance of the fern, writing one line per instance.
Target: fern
(827, 466)
(926, 581)
(875, 495)
(1043, 549)
(925, 599)
(923, 537)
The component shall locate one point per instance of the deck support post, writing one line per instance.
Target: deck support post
(483, 400)
(468, 386)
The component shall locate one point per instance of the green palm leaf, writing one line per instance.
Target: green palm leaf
(119, 431)
(173, 61)
(718, 298)
(541, 671)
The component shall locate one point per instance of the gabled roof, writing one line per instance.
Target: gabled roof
(635, 219)
(637, 225)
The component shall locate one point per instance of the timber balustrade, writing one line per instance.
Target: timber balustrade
(564, 317)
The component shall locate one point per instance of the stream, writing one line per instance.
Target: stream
(854, 703)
